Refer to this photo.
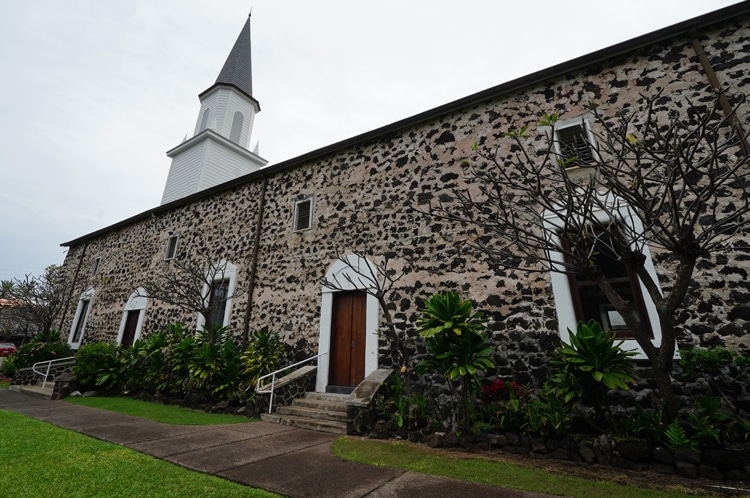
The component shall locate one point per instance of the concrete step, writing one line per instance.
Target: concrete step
(37, 391)
(321, 405)
(306, 423)
(315, 413)
(340, 398)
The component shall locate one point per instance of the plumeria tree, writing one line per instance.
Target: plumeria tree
(672, 179)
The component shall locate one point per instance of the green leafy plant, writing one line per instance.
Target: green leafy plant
(676, 436)
(228, 384)
(646, 424)
(397, 404)
(447, 312)
(456, 348)
(37, 351)
(590, 365)
(264, 354)
(93, 359)
(720, 367)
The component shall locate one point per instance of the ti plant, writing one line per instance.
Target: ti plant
(456, 347)
(591, 365)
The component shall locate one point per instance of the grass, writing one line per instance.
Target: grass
(168, 414)
(4, 385)
(40, 459)
(399, 455)
(417, 458)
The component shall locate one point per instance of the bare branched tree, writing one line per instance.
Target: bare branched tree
(39, 300)
(377, 279)
(673, 180)
(195, 284)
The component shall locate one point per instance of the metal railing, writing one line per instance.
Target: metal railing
(273, 378)
(49, 364)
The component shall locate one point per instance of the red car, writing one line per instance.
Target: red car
(6, 348)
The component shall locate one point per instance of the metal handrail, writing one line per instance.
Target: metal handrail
(49, 364)
(273, 378)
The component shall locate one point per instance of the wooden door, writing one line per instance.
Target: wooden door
(347, 357)
(131, 323)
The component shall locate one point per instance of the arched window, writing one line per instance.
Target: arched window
(218, 296)
(204, 119)
(132, 318)
(236, 132)
(79, 321)
(578, 299)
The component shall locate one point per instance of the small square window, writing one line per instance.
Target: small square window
(575, 143)
(303, 210)
(574, 146)
(171, 247)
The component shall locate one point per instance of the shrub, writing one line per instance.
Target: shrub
(34, 352)
(499, 390)
(395, 404)
(590, 366)
(265, 353)
(456, 348)
(93, 360)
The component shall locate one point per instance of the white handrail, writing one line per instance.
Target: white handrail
(273, 379)
(49, 364)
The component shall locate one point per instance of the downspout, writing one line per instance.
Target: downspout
(73, 285)
(254, 264)
(723, 101)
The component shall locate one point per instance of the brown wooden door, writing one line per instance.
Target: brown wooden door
(347, 361)
(128, 333)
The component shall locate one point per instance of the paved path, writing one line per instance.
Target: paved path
(289, 461)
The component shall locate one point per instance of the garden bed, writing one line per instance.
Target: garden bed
(721, 465)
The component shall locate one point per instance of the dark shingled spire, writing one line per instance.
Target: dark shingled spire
(237, 70)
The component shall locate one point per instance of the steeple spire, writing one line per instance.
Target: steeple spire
(218, 151)
(237, 70)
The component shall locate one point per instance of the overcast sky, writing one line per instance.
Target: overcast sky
(93, 93)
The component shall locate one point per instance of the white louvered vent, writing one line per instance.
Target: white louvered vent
(303, 214)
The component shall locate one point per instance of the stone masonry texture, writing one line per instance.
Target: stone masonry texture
(367, 197)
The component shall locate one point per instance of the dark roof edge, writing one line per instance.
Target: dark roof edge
(630, 45)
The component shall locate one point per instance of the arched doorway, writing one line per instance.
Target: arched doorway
(348, 327)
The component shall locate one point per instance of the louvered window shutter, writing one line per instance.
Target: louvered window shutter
(303, 215)
(574, 144)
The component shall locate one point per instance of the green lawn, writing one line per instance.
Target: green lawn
(168, 414)
(419, 458)
(25, 439)
(39, 459)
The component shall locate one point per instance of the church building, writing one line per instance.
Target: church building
(278, 231)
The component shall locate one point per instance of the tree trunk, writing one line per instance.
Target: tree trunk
(662, 365)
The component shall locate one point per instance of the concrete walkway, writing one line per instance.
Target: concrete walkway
(282, 459)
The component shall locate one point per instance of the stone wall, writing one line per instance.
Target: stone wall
(27, 377)
(365, 195)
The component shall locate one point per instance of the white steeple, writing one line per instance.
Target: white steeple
(218, 151)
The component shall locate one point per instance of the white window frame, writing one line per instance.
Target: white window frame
(173, 255)
(297, 203)
(229, 273)
(138, 300)
(97, 262)
(86, 297)
(566, 315)
(584, 120)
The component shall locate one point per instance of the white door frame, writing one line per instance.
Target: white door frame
(348, 279)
